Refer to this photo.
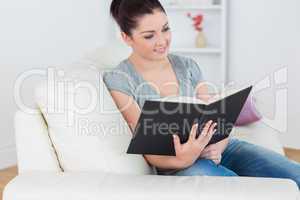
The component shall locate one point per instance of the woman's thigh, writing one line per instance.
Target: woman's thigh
(205, 167)
(247, 159)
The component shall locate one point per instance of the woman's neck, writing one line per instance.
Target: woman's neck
(146, 64)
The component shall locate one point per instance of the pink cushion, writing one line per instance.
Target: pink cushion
(249, 113)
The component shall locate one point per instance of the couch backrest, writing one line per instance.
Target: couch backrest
(108, 56)
(93, 139)
(39, 146)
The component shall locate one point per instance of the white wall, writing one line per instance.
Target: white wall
(39, 34)
(263, 37)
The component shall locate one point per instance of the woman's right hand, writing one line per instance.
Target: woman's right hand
(188, 153)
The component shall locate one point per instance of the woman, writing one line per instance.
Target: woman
(151, 72)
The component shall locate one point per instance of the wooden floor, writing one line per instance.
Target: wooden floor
(7, 174)
(293, 154)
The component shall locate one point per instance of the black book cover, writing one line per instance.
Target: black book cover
(160, 119)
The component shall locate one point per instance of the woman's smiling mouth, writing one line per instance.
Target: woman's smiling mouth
(161, 50)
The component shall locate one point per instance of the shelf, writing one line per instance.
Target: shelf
(197, 50)
(179, 8)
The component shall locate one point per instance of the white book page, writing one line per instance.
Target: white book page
(181, 99)
(187, 99)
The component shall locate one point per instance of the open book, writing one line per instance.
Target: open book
(161, 118)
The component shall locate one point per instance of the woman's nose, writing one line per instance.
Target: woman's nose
(161, 41)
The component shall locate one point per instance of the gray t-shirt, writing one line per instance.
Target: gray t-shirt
(125, 78)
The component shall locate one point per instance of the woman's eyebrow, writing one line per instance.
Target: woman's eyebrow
(152, 30)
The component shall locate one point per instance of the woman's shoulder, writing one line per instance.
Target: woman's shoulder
(121, 67)
(183, 61)
(179, 57)
(120, 79)
(121, 70)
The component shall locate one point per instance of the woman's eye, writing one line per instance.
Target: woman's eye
(166, 29)
(148, 37)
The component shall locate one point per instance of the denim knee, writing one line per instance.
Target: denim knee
(206, 167)
(297, 180)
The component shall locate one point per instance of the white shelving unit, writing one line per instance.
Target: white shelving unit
(213, 57)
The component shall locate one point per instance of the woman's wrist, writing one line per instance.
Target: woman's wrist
(181, 164)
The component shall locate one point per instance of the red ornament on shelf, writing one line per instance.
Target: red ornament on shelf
(197, 21)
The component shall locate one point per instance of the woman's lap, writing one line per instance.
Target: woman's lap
(245, 159)
(205, 167)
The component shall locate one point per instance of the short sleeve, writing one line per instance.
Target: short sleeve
(195, 72)
(119, 81)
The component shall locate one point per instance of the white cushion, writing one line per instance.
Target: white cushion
(34, 148)
(260, 134)
(86, 127)
(108, 56)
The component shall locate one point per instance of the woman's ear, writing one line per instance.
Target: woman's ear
(126, 38)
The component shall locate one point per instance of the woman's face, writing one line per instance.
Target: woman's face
(152, 38)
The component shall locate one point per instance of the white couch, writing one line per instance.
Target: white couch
(40, 175)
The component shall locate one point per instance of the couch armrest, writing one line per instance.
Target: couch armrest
(97, 185)
(261, 134)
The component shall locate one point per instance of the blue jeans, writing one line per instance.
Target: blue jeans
(245, 159)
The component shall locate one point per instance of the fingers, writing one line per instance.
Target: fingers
(207, 132)
(207, 151)
(193, 133)
(212, 155)
(218, 161)
(212, 128)
(209, 148)
(206, 128)
(211, 131)
(177, 143)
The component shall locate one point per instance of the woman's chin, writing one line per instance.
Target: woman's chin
(161, 55)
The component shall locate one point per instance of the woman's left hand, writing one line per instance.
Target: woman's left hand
(214, 151)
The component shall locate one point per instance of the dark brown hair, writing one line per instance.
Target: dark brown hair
(127, 12)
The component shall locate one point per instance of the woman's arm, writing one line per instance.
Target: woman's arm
(213, 151)
(202, 92)
(131, 112)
